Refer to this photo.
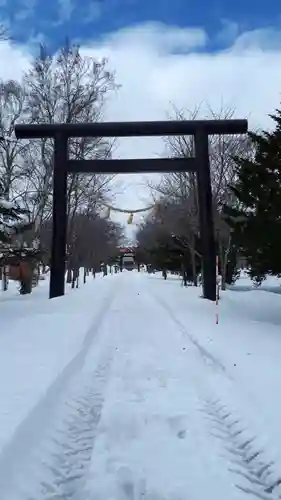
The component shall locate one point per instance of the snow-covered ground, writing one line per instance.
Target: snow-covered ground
(127, 388)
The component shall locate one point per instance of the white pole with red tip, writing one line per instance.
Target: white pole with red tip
(217, 290)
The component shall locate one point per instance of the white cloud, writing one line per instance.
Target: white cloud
(157, 36)
(247, 77)
(159, 65)
(13, 61)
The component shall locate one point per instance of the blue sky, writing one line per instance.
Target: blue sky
(86, 20)
(160, 65)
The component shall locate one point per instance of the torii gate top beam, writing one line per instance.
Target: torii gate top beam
(131, 129)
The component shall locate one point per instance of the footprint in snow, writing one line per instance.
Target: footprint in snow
(178, 425)
(181, 434)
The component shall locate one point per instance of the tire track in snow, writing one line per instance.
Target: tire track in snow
(25, 443)
(207, 355)
(243, 452)
(58, 466)
(259, 476)
(73, 440)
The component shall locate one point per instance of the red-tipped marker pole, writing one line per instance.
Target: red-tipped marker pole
(217, 290)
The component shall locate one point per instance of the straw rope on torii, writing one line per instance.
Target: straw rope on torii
(131, 213)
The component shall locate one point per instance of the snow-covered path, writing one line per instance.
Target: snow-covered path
(153, 439)
(140, 412)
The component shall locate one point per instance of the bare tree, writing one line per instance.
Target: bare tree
(11, 105)
(11, 151)
(65, 87)
(181, 188)
(69, 88)
(91, 241)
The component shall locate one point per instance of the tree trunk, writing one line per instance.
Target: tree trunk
(202, 276)
(35, 277)
(184, 274)
(223, 263)
(38, 272)
(85, 275)
(69, 275)
(5, 280)
(74, 277)
(25, 280)
(193, 265)
(223, 270)
(26, 286)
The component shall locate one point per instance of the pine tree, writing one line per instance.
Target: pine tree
(256, 218)
(12, 219)
(8, 217)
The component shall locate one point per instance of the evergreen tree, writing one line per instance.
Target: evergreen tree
(9, 215)
(256, 217)
(11, 219)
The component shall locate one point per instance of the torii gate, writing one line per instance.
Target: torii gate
(200, 129)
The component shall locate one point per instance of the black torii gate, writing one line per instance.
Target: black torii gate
(200, 129)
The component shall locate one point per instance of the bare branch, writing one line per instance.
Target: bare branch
(70, 88)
